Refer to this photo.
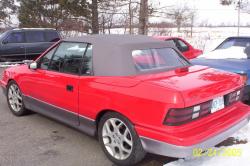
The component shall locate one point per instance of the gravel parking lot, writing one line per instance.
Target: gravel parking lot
(35, 140)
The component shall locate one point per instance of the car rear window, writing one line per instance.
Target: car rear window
(158, 58)
(51, 36)
(3, 34)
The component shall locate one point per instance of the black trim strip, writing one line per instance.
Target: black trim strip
(72, 119)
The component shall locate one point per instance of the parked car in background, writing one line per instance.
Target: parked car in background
(26, 43)
(233, 55)
(183, 46)
(137, 94)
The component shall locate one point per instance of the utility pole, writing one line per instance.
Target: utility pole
(239, 5)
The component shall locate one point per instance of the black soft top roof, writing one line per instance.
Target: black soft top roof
(112, 54)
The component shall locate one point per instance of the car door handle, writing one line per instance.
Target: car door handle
(69, 88)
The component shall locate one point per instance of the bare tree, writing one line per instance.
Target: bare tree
(132, 10)
(226, 2)
(118, 13)
(94, 18)
(192, 16)
(143, 17)
(241, 5)
(108, 14)
(180, 15)
(7, 7)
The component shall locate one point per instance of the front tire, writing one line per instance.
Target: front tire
(15, 99)
(119, 140)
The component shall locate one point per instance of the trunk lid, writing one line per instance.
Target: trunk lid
(198, 84)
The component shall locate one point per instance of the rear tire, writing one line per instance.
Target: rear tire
(119, 140)
(15, 99)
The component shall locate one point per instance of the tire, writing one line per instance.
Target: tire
(121, 144)
(15, 99)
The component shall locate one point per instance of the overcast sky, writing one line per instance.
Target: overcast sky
(210, 11)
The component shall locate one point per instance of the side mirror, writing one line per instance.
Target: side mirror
(33, 66)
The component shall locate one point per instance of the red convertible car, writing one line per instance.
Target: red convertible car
(135, 93)
(183, 46)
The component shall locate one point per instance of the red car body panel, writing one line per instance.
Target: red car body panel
(200, 130)
(190, 54)
(144, 99)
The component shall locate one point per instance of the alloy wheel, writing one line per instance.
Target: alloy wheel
(117, 139)
(15, 98)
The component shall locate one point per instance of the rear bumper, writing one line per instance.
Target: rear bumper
(171, 150)
(180, 141)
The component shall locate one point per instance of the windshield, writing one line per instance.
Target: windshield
(2, 34)
(235, 42)
(158, 58)
(231, 48)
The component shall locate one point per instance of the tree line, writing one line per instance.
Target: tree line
(95, 16)
(90, 16)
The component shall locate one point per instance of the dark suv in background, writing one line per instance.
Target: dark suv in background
(26, 43)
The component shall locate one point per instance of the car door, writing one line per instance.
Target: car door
(13, 47)
(187, 50)
(54, 85)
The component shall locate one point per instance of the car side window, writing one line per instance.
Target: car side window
(45, 60)
(87, 61)
(35, 36)
(15, 37)
(52, 36)
(181, 45)
(68, 57)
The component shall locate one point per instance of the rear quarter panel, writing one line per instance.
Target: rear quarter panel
(144, 104)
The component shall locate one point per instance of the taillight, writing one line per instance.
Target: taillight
(244, 78)
(181, 116)
(234, 96)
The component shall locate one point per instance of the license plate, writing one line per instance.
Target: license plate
(217, 104)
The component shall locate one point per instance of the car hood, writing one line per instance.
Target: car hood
(199, 84)
(229, 53)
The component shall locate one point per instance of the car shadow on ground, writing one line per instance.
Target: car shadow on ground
(156, 160)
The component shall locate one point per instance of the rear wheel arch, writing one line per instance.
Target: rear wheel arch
(10, 80)
(105, 111)
(136, 151)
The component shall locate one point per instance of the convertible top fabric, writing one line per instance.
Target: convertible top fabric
(112, 54)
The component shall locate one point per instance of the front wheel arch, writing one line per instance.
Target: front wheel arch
(23, 110)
